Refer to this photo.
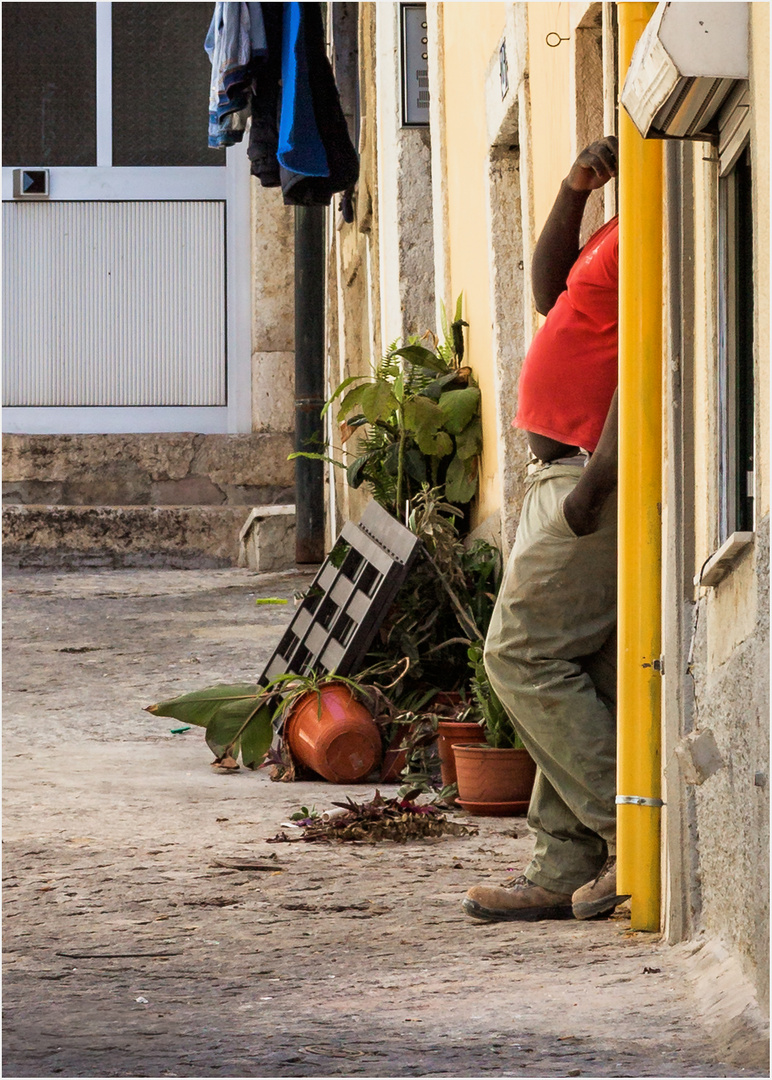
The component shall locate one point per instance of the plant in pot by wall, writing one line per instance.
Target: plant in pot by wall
(495, 778)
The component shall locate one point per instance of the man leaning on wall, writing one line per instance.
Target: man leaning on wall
(550, 653)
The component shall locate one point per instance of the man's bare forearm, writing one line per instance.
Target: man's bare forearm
(558, 245)
(583, 506)
(557, 248)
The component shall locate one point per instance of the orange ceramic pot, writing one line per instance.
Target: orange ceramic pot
(450, 732)
(332, 733)
(494, 783)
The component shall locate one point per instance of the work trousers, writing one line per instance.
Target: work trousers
(550, 655)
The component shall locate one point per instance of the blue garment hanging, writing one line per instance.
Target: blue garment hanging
(301, 149)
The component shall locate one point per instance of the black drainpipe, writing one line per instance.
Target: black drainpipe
(309, 382)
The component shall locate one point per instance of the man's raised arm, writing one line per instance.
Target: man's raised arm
(558, 245)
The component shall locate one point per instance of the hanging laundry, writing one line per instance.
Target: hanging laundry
(299, 137)
(235, 38)
(272, 65)
(314, 104)
(266, 101)
(300, 149)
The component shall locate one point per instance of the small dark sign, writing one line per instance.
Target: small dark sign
(30, 183)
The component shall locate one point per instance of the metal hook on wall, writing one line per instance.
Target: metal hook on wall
(553, 39)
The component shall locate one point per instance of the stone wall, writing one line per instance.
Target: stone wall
(157, 469)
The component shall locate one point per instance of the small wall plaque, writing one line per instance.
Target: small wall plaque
(30, 183)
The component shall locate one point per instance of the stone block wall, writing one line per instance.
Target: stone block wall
(157, 470)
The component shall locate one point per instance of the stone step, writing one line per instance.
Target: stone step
(172, 537)
(148, 470)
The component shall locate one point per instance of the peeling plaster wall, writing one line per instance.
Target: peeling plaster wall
(731, 678)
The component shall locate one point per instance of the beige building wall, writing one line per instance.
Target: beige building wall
(494, 184)
(471, 35)
(273, 311)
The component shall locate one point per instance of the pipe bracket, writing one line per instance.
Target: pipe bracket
(638, 800)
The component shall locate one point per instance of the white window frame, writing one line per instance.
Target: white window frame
(734, 138)
(230, 184)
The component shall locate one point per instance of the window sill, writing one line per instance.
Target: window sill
(721, 562)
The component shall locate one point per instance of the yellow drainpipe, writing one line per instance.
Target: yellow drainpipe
(640, 494)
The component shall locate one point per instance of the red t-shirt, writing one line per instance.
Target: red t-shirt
(570, 372)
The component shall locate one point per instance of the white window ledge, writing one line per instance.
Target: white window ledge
(721, 562)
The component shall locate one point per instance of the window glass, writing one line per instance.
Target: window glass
(735, 374)
(49, 84)
(161, 78)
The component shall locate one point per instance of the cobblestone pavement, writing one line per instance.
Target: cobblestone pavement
(129, 952)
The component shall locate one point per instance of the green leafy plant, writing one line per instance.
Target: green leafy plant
(445, 606)
(416, 421)
(241, 719)
(499, 732)
(238, 720)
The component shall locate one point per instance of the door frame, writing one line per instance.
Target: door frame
(229, 184)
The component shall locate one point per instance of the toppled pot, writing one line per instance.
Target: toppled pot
(332, 733)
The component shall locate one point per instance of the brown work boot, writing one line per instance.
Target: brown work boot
(600, 895)
(519, 899)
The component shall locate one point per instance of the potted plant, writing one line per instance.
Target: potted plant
(417, 421)
(327, 728)
(322, 722)
(495, 778)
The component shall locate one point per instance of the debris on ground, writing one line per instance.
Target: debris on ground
(247, 864)
(379, 819)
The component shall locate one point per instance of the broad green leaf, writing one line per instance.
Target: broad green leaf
(460, 481)
(444, 321)
(415, 465)
(256, 737)
(417, 354)
(378, 401)
(352, 400)
(459, 406)
(459, 308)
(399, 387)
(339, 390)
(423, 416)
(200, 706)
(434, 389)
(355, 473)
(436, 444)
(469, 441)
(222, 730)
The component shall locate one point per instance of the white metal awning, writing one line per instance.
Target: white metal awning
(684, 66)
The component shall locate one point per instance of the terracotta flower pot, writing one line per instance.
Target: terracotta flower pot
(450, 732)
(494, 783)
(340, 741)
